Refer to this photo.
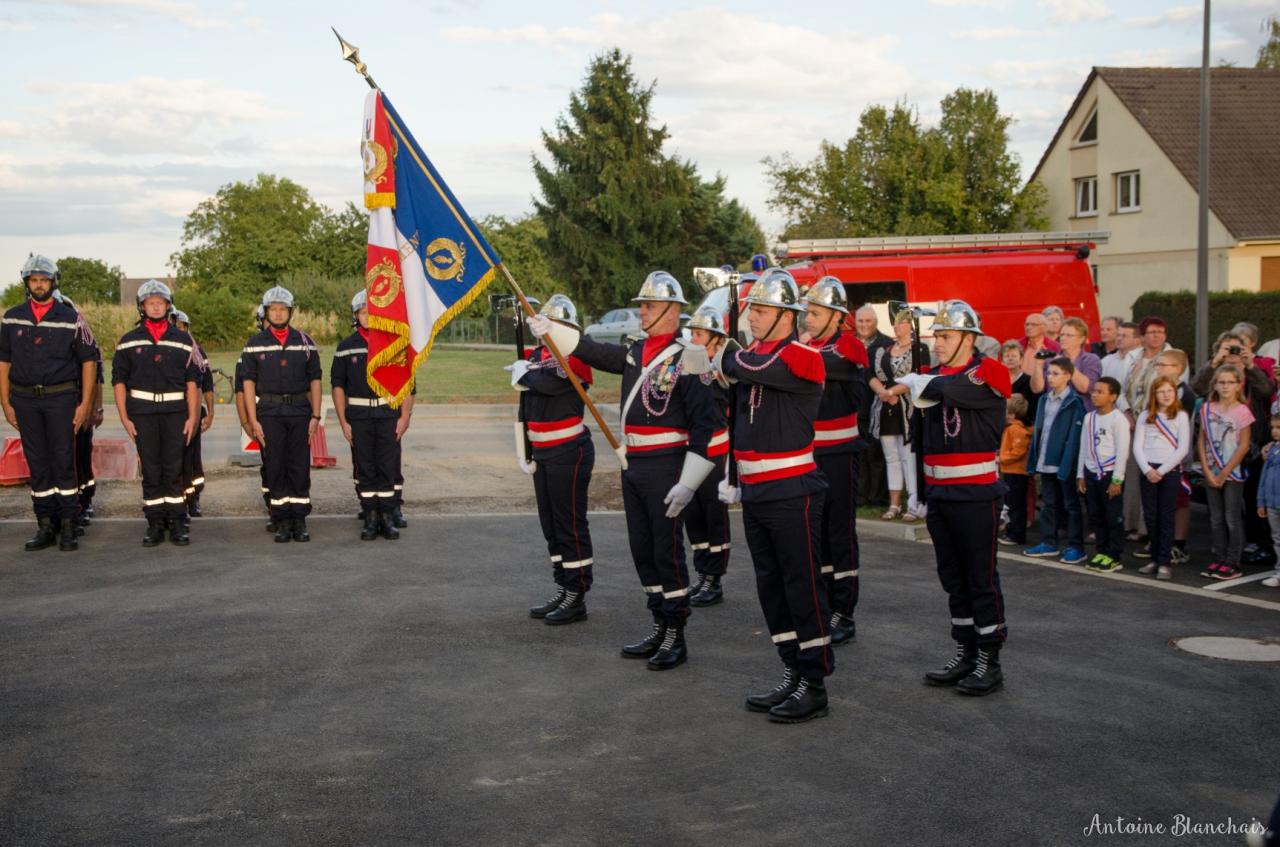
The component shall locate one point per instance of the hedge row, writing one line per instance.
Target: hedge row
(1226, 309)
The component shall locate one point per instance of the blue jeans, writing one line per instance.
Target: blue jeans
(1060, 496)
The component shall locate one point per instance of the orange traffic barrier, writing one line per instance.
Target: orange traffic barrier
(114, 458)
(13, 464)
(320, 455)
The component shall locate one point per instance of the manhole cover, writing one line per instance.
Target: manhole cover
(1264, 650)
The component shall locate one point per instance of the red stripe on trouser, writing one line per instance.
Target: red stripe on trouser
(577, 542)
(813, 584)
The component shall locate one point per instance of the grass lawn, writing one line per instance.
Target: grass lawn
(448, 376)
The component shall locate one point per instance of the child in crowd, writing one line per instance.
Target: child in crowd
(1173, 364)
(1269, 492)
(1013, 468)
(1161, 440)
(1104, 452)
(1225, 421)
(1055, 449)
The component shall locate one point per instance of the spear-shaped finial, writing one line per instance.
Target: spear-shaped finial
(351, 53)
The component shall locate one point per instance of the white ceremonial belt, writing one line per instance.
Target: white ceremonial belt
(555, 434)
(953, 471)
(156, 398)
(636, 439)
(824, 436)
(366, 401)
(755, 466)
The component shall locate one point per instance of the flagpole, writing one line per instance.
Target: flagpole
(564, 365)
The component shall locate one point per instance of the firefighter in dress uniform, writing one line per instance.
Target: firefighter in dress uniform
(192, 458)
(782, 492)
(668, 417)
(47, 388)
(706, 521)
(237, 382)
(836, 443)
(282, 402)
(554, 447)
(156, 384)
(370, 425)
(84, 436)
(963, 403)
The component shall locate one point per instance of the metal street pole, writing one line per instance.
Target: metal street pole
(1202, 246)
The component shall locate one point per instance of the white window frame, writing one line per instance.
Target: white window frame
(1093, 114)
(1135, 191)
(1082, 212)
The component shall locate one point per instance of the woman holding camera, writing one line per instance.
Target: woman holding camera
(1073, 337)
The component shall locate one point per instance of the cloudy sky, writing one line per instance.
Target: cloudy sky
(121, 115)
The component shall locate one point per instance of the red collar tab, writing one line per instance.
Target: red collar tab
(653, 345)
(39, 310)
(157, 329)
(280, 334)
(364, 333)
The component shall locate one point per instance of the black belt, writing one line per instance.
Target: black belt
(286, 399)
(41, 390)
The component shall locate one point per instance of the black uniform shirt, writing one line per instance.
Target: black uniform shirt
(159, 369)
(282, 370)
(46, 353)
(779, 394)
(550, 407)
(962, 431)
(350, 373)
(672, 400)
(845, 360)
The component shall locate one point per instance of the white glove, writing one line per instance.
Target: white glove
(539, 325)
(728, 494)
(518, 369)
(528, 467)
(916, 383)
(695, 359)
(717, 364)
(677, 498)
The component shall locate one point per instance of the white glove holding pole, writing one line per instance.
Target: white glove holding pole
(717, 364)
(523, 462)
(564, 337)
(915, 384)
(677, 498)
(528, 467)
(728, 494)
(518, 369)
(539, 325)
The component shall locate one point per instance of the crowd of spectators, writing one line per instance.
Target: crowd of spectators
(1107, 442)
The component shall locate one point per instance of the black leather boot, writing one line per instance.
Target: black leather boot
(299, 530)
(81, 522)
(766, 701)
(672, 653)
(694, 589)
(67, 536)
(807, 702)
(179, 532)
(155, 532)
(572, 608)
(960, 666)
(647, 646)
(842, 628)
(542, 610)
(986, 677)
(44, 536)
(397, 519)
(709, 594)
(271, 525)
(370, 529)
(387, 526)
(193, 507)
(283, 529)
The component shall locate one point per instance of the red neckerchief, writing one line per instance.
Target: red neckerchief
(364, 333)
(157, 329)
(943, 370)
(653, 345)
(280, 334)
(39, 310)
(764, 348)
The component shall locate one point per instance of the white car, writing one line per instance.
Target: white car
(615, 326)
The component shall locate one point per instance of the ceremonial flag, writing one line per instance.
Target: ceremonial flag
(426, 259)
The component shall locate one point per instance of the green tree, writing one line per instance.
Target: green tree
(614, 206)
(521, 242)
(249, 235)
(89, 280)
(894, 177)
(1269, 53)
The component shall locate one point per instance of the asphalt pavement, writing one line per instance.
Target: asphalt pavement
(340, 692)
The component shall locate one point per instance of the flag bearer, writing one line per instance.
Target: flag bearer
(561, 463)
(668, 419)
(964, 416)
(156, 383)
(782, 493)
(282, 403)
(46, 389)
(836, 444)
(370, 425)
(706, 521)
(192, 460)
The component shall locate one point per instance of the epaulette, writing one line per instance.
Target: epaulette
(804, 362)
(995, 375)
(851, 348)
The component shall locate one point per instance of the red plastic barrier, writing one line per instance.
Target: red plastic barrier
(13, 464)
(114, 458)
(320, 455)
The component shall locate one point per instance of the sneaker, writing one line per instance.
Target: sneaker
(1072, 556)
(1272, 582)
(1211, 570)
(1179, 556)
(1008, 540)
(1041, 551)
(1136, 536)
(1096, 562)
(1145, 552)
(1110, 566)
(1228, 572)
(1165, 572)
(1148, 568)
